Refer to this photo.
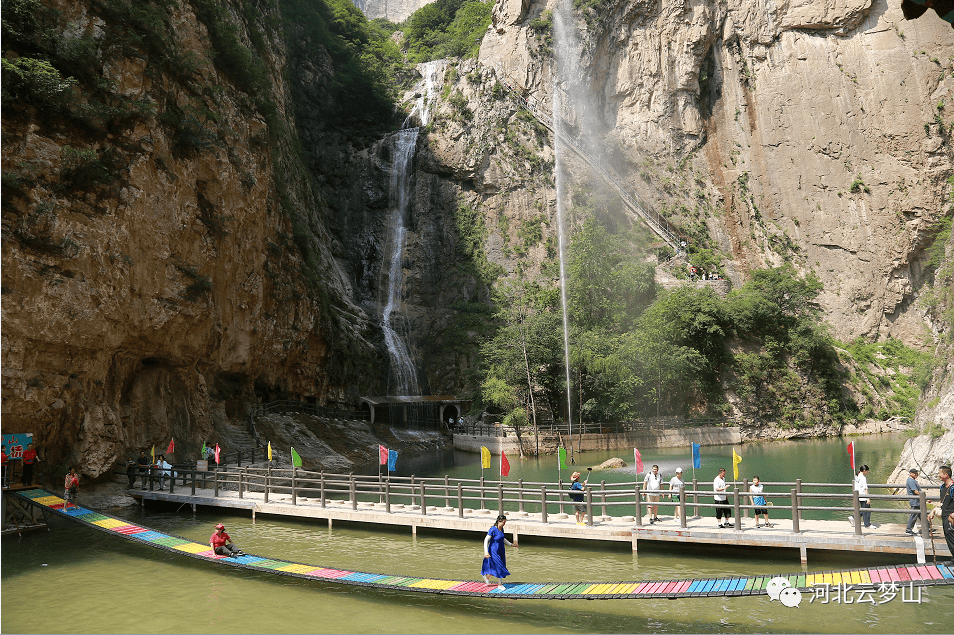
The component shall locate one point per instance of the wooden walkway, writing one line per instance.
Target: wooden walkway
(825, 535)
(874, 578)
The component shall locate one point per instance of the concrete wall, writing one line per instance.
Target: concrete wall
(669, 438)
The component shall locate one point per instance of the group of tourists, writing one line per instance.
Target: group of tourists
(143, 466)
(29, 459)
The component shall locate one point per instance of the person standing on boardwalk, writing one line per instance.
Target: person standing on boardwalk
(495, 556)
(946, 503)
(722, 510)
(652, 484)
(70, 487)
(576, 495)
(676, 484)
(861, 486)
(143, 464)
(758, 499)
(914, 491)
(163, 471)
(221, 543)
(29, 461)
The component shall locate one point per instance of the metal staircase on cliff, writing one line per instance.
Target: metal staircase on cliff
(636, 203)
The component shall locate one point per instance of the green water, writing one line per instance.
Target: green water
(94, 582)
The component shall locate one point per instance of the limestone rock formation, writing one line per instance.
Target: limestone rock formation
(820, 125)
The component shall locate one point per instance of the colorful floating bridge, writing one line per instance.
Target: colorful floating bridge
(918, 575)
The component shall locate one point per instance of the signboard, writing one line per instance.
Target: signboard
(17, 443)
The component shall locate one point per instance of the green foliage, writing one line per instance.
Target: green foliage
(896, 372)
(473, 232)
(358, 97)
(36, 82)
(858, 186)
(942, 234)
(446, 28)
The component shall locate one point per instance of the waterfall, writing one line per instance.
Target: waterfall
(393, 323)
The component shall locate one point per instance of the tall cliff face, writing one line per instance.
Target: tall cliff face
(819, 131)
(153, 280)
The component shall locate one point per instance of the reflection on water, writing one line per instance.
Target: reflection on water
(94, 582)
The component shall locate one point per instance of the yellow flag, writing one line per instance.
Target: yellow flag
(484, 457)
(736, 459)
(269, 450)
(153, 455)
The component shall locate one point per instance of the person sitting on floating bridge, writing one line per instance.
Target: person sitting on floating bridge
(222, 544)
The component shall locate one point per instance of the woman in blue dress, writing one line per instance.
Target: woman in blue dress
(495, 558)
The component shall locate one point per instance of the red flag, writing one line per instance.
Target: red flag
(639, 461)
(217, 453)
(504, 464)
(172, 446)
(851, 453)
(382, 455)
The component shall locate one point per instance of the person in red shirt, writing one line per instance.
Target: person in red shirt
(221, 543)
(70, 484)
(29, 459)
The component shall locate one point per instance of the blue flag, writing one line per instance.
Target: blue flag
(392, 459)
(696, 456)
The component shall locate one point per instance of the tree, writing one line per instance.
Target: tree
(527, 342)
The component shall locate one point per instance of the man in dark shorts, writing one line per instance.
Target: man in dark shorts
(576, 495)
(721, 500)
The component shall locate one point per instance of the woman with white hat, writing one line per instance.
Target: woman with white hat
(676, 484)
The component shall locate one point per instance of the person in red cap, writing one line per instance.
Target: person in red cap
(221, 543)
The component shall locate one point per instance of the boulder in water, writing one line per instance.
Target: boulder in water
(609, 464)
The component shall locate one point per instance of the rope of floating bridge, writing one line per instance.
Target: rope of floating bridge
(904, 575)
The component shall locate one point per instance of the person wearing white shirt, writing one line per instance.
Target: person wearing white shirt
(861, 486)
(163, 471)
(722, 510)
(653, 484)
(758, 499)
(676, 485)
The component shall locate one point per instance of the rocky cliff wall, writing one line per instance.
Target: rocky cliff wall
(151, 285)
(817, 132)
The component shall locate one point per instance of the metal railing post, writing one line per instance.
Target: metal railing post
(589, 506)
(215, 483)
(294, 485)
(682, 506)
(482, 493)
(412, 490)
(194, 478)
(500, 498)
(745, 488)
(560, 485)
(460, 500)
(354, 494)
(798, 488)
(856, 511)
(268, 477)
(152, 472)
(387, 495)
(423, 501)
(695, 497)
(795, 510)
(738, 512)
(639, 507)
(446, 491)
(603, 496)
(321, 489)
(543, 503)
(172, 482)
(241, 483)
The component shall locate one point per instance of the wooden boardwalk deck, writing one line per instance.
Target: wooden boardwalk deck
(872, 578)
(827, 535)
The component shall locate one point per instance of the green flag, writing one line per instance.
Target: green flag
(562, 453)
(202, 451)
(296, 460)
